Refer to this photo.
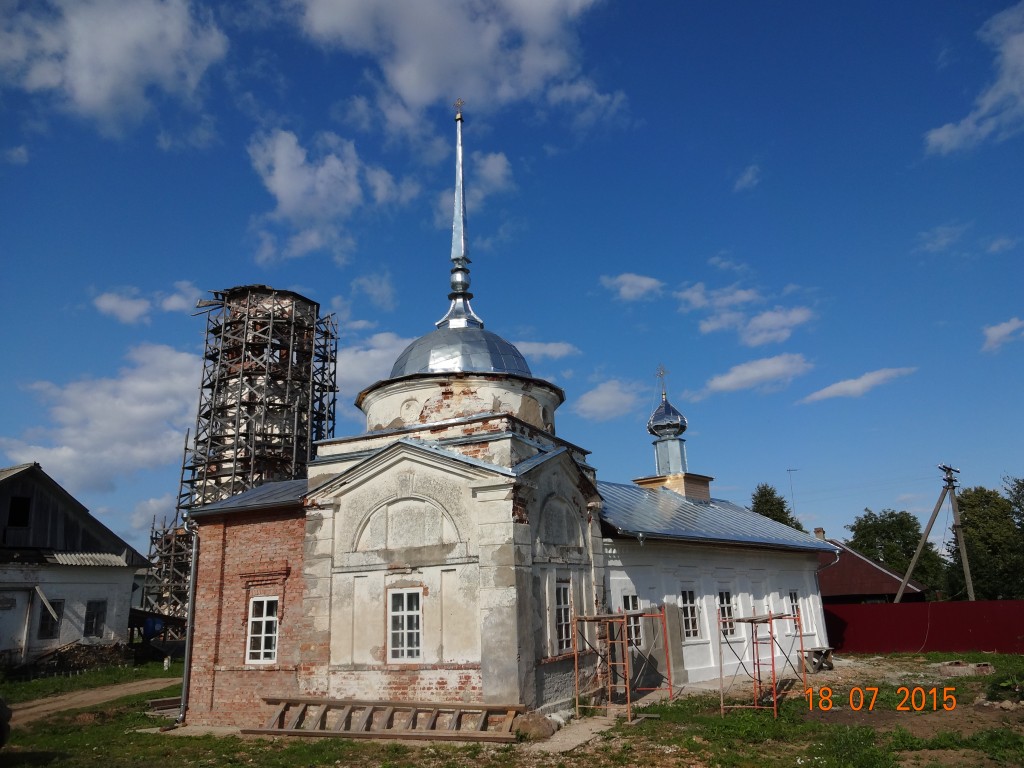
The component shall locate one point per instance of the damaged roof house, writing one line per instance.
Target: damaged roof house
(442, 554)
(64, 576)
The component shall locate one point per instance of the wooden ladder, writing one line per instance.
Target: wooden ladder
(358, 719)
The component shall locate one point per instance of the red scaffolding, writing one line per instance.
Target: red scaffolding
(759, 640)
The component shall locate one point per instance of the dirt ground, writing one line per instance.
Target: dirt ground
(970, 715)
(28, 711)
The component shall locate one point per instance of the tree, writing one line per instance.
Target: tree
(766, 501)
(995, 546)
(891, 538)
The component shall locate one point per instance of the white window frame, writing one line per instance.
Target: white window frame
(405, 626)
(561, 614)
(689, 611)
(263, 629)
(726, 602)
(634, 624)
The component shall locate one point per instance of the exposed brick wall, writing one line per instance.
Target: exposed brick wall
(240, 557)
(440, 683)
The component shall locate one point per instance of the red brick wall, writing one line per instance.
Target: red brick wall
(242, 556)
(448, 683)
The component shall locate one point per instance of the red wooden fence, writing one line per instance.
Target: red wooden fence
(984, 625)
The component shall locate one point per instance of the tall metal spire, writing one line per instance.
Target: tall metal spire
(460, 313)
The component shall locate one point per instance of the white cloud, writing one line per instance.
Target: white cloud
(1002, 333)
(103, 430)
(723, 263)
(587, 104)
(488, 173)
(998, 110)
(125, 305)
(1000, 244)
(859, 386)
(316, 190)
(104, 59)
(940, 238)
(749, 179)
(361, 363)
(182, 299)
(633, 287)
(491, 54)
(697, 296)
(768, 373)
(160, 509)
(775, 325)
(17, 155)
(554, 350)
(608, 400)
(378, 288)
(130, 306)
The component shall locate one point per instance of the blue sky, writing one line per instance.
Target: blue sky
(812, 215)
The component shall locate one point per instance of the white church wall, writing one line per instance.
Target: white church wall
(691, 579)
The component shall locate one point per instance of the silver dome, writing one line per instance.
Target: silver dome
(460, 350)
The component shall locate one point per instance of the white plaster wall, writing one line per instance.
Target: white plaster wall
(437, 398)
(759, 580)
(75, 585)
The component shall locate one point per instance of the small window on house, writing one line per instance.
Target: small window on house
(95, 618)
(263, 629)
(634, 632)
(794, 602)
(563, 619)
(726, 615)
(49, 627)
(19, 512)
(688, 609)
(404, 615)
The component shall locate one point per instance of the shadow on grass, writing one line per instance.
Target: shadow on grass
(15, 759)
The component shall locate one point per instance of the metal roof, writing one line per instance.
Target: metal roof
(86, 558)
(460, 350)
(280, 493)
(664, 514)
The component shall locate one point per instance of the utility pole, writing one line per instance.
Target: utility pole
(792, 499)
(949, 487)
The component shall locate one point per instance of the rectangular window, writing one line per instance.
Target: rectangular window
(263, 628)
(563, 619)
(634, 632)
(404, 620)
(49, 627)
(95, 618)
(688, 609)
(794, 602)
(19, 512)
(725, 613)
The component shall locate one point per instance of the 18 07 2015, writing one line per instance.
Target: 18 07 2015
(916, 699)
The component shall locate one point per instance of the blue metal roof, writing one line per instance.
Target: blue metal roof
(280, 493)
(664, 514)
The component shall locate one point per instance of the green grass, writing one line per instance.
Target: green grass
(687, 730)
(40, 688)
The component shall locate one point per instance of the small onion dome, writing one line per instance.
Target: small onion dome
(666, 421)
(461, 350)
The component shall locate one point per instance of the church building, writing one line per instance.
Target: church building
(442, 554)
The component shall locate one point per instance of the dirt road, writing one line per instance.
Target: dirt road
(28, 711)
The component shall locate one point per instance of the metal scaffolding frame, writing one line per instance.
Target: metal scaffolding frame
(618, 686)
(267, 393)
(763, 692)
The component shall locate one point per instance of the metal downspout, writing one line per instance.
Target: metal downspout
(189, 631)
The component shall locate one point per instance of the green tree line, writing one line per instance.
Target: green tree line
(993, 529)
